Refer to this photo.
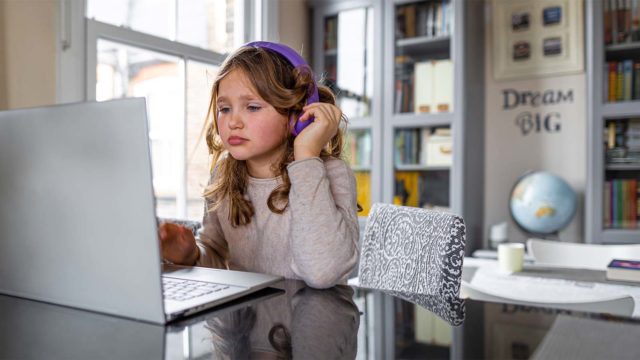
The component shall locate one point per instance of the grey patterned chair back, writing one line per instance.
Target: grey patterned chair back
(415, 254)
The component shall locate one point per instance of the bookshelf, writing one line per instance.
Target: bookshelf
(433, 131)
(424, 119)
(613, 184)
(433, 70)
(347, 54)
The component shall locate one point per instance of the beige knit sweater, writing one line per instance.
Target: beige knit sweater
(315, 239)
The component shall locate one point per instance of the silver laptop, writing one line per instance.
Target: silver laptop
(77, 217)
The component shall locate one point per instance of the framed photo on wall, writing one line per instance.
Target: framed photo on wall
(537, 38)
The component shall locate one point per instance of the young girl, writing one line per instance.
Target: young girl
(276, 203)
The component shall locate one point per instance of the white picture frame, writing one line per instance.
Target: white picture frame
(534, 38)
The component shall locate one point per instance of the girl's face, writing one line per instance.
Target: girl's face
(251, 129)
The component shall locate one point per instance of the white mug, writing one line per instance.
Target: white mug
(511, 257)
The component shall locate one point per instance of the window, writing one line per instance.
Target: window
(167, 51)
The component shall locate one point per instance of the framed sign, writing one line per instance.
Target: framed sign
(537, 38)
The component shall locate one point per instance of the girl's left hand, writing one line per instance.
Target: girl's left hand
(316, 135)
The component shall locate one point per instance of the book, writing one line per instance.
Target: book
(363, 152)
(613, 78)
(363, 186)
(421, 19)
(621, 21)
(611, 139)
(623, 270)
(410, 20)
(613, 10)
(607, 205)
(406, 187)
(620, 82)
(607, 22)
(401, 22)
(635, 21)
(627, 76)
(638, 206)
(424, 87)
(443, 85)
(636, 81)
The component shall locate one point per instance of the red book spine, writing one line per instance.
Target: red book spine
(607, 23)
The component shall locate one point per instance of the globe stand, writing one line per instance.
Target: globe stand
(555, 236)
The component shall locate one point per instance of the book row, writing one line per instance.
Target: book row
(621, 204)
(423, 86)
(622, 81)
(426, 147)
(358, 149)
(422, 189)
(622, 141)
(623, 133)
(621, 19)
(331, 33)
(428, 19)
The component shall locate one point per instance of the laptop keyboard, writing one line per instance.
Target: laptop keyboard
(181, 290)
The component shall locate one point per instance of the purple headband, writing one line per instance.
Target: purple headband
(298, 62)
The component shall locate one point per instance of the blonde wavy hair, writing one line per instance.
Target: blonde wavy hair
(276, 81)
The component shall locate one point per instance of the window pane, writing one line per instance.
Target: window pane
(155, 17)
(200, 78)
(125, 71)
(208, 24)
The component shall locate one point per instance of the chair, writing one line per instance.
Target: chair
(583, 256)
(415, 254)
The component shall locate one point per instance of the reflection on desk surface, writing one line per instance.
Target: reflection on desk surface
(295, 322)
(301, 323)
(570, 289)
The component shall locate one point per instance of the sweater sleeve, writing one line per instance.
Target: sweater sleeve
(324, 222)
(214, 249)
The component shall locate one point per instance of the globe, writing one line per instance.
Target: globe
(542, 203)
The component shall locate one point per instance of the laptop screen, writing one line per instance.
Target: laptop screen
(77, 221)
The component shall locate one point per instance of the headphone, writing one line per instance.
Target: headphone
(298, 62)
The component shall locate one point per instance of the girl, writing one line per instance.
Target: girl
(276, 203)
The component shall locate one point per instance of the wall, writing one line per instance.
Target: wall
(28, 62)
(3, 83)
(293, 25)
(509, 153)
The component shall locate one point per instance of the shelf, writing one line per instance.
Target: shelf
(623, 47)
(620, 236)
(422, 120)
(331, 52)
(360, 168)
(420, 167)
(619, 52)
(624, 167)
(621, 109)
(423, 45)
(359, 123)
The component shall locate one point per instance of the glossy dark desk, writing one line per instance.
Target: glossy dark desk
(293, 322)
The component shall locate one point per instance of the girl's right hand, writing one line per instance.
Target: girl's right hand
(178, 244)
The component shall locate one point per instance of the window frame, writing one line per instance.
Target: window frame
(96, 30)
(76, 45)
